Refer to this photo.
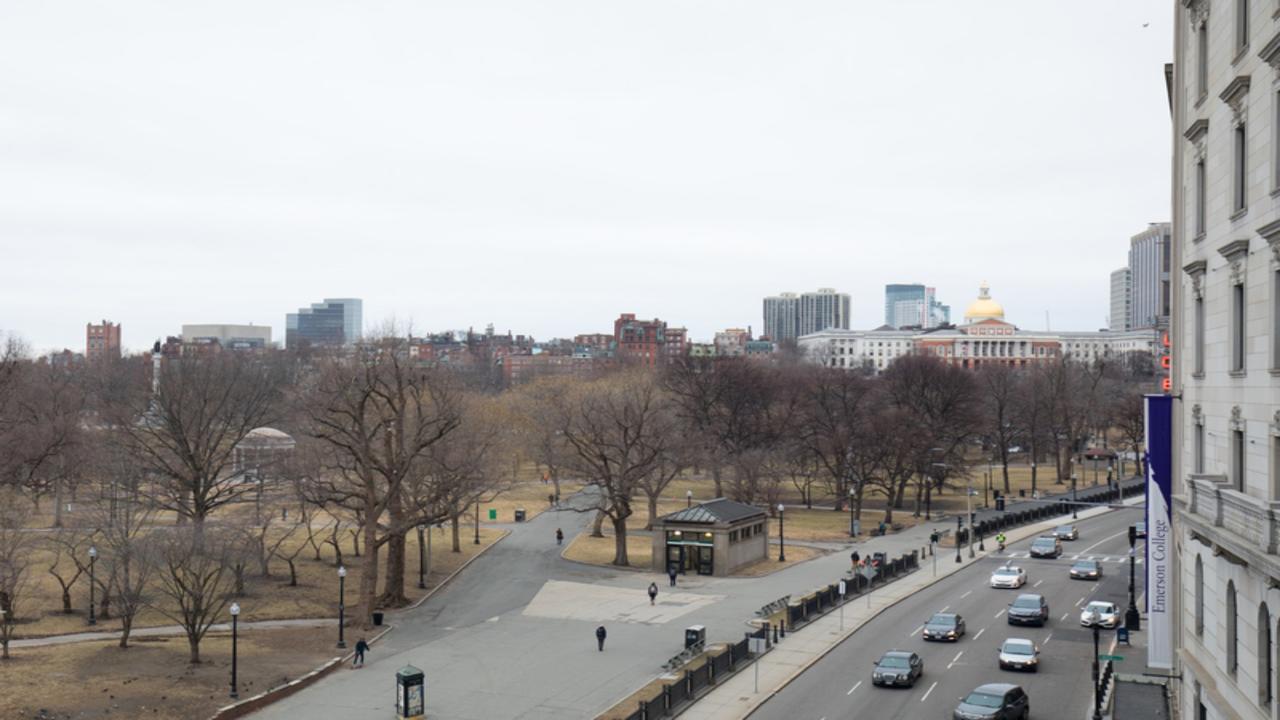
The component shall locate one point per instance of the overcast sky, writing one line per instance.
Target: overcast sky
(547, 165)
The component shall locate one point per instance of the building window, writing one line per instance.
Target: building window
(1275, 145)
(1275, 467)
(1239, 176)
(1199, 448)
(1202, 60)
(1199, 588)
(1264, 656)
(1275, 319)
(1242, 25)
(1238, 338)
(1200, 198)
(1237, 459)
(1233, 639)
(1199, 336)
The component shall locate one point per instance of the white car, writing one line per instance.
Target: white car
(1101, 613)
(1008, 576)
(1019, 654)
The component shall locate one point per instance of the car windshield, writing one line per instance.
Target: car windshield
(1018, 648)
(1007, 571)
(1065, 529)
(1027, 601)
(985, 700)
(1043, 542)
(1099, 607)
(1086, 565)
(943, 620)
(894, 662)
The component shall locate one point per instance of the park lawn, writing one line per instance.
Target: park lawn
(768, 565)
(599, 551)
(316, 594)
(531, 495)
(153, 678)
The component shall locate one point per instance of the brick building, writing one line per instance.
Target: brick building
(102, 341)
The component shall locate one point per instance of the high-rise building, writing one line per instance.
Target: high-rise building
(914, 305)
(1220, 591)
(101, 341)
(332, 323)
(782, 317)
(1121, 299)
(1149, 261)
(823, 310)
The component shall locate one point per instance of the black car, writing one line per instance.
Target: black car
(1066, 532)
(897, 668)
(944, 626)
(1028, 609)
(994, 701)
(1046, 546)
(1086, 570)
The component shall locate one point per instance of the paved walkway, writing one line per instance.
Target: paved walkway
(167, 630)
(514, 635)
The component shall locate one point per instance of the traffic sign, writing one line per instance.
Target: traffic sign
(842, 587)
(868, 572)
(1113, 658)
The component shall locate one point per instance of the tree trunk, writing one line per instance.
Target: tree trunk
(66, 601)
(355, 542)
(104, 607)
(620, 542)
(597, 526)
(1004, 468)
(457, 534)
(393, 594)
(126, 626)
(57, 503)
(4, 649)
(368, 587)
(715, 478)
(293, 573)
(194, 644)
(653, 511)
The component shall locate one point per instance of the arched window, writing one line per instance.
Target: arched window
(1199, 588)
(1233, 639)
(1264, 656)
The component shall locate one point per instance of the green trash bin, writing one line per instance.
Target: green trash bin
(411, 691)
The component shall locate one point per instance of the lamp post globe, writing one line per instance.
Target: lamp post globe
(782, 536)
(959, 528)
(235, 618)
(93, 560)
(851, 515)
(688, 498)
(342, 605)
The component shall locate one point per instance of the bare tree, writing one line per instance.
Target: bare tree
(127, 559)
(1000, 385)
(184, 435)
(834, 409)
(16, 547)
(64, 548)
(194, 580)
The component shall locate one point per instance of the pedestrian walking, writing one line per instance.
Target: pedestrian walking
(653, 592)
(559, 536)
(361, 648)
(600, 634)
(671, 573)
(853, 557)
(882, 528)
(551, 500)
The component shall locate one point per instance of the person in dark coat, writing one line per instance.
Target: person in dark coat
(361, 648)
(671, 573)
(653, 592)
(853, 557)
(559, 536)
(600, 634)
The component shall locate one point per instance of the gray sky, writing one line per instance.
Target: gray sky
(547, 165)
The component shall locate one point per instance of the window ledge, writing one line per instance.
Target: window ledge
(1237, 373)
(1240, 53)
(1200, 100)
(1275, 371)
(1276, 192)
(1198, 237)
(1197, 376)
(1239, 213)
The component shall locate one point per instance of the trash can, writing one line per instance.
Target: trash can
(695, 635)
(410, 693)
(520, 515)
(1000, 504)
(377, 618)
(1022, 492)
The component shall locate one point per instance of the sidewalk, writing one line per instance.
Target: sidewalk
(736, 697)
(169, 630)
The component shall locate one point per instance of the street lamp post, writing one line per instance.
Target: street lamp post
(422, 559)
(688, 498)
(959, 527)
(968, 501)
(851, 519)
(782, 536)
(342, 605)
(235, 619)
(477, 540)
(93, 560)
(1132, 619)
(1074, 514)
(1097, 677)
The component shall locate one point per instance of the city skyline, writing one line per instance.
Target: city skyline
(489, 175)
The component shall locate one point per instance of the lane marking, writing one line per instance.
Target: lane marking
(1124, 532)
(1065, 615)
(967, 594)
(926, 692)
(944, 608)
(913, 632)
(1037, 583)
(1047, 638)
(975, 637)
(1080, 601)
(999, 614)
(953, 661)
(855, 687)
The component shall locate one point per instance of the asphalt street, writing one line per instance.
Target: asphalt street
(839, 685)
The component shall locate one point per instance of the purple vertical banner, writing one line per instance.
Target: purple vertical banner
(1159, 468)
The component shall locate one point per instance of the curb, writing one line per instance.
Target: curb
(265, 698)
(1028, 530)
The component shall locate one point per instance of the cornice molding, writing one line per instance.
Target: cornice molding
(1270, 53)
(1195, 267)
(1234, 249)
(1196, 130)
(1236, 91)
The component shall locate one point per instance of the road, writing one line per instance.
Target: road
(839, 685)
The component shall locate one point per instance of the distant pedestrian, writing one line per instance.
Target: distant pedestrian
(653, 592)
(557, 499)
(600, 634)
(882, 528)
(361, 648)
(671, 573)
(853, 557)
(559, 536)
(551, 500)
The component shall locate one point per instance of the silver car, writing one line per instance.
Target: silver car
(1008, 576)
(1019, 654)
(1100, 613)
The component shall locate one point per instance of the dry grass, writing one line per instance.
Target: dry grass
(796, 554)
(265, 598)
(528, 494)
(600, 551)
(153, 679)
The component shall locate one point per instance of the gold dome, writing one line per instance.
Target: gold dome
(984, 308)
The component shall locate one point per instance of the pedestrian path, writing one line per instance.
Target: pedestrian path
(169, 630)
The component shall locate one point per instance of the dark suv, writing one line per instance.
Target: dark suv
(994, 701)
(1028, 609)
